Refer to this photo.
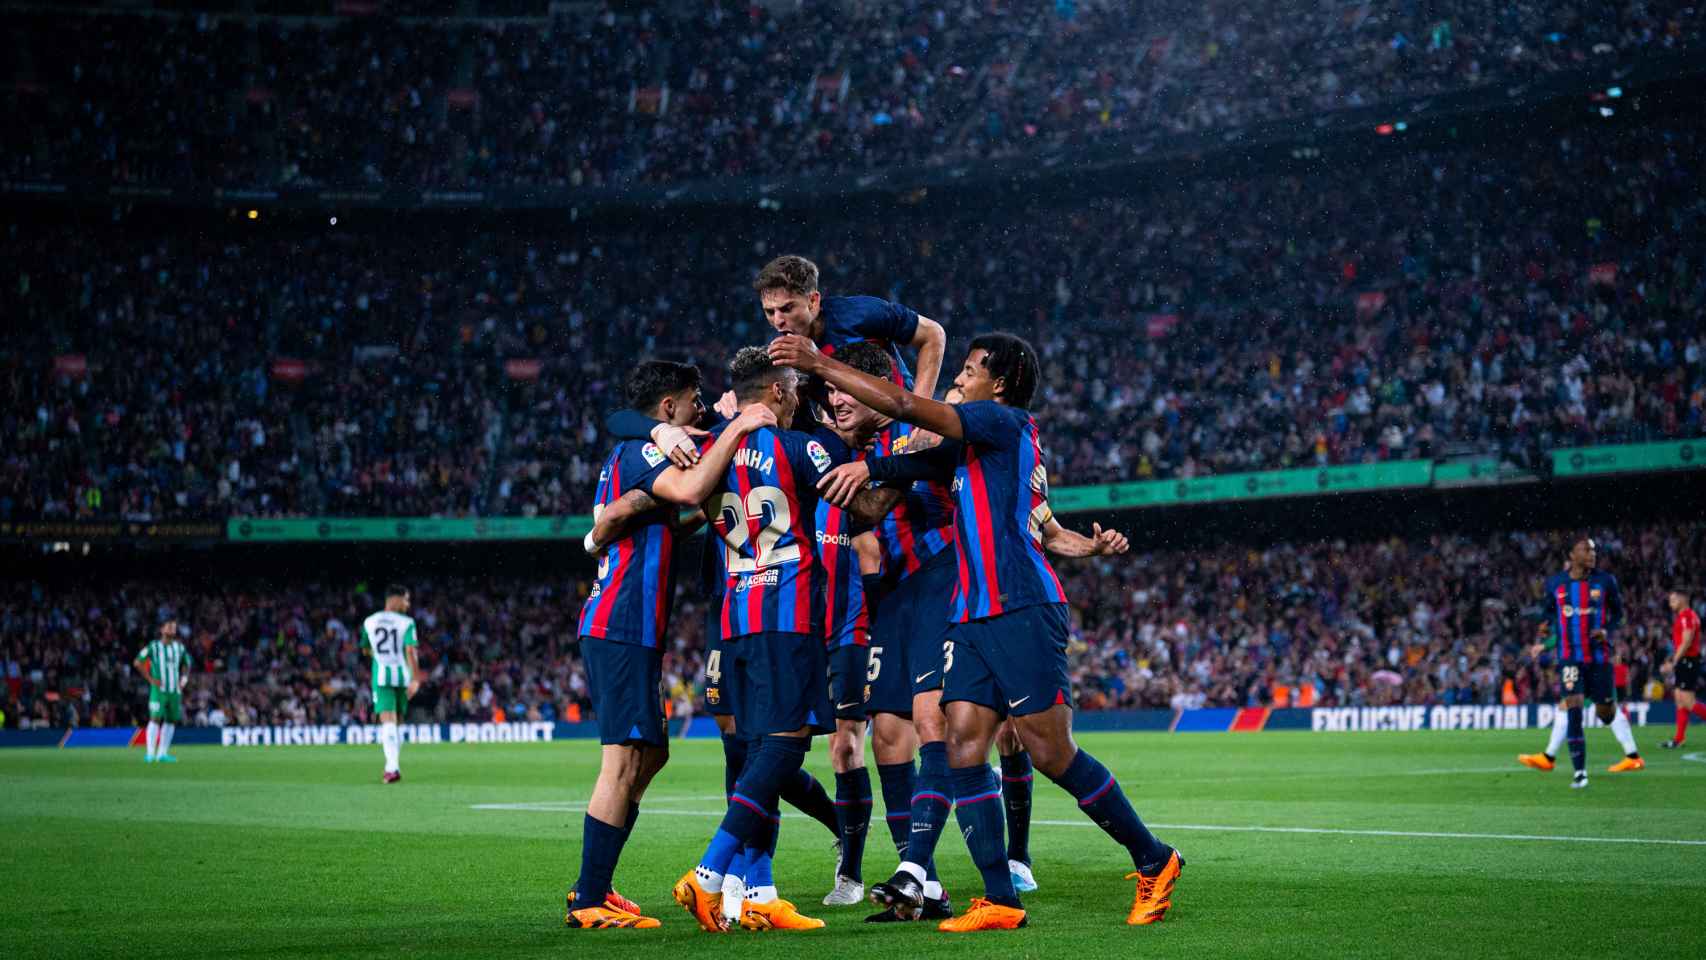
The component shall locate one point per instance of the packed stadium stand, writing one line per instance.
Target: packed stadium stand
(1424, 298)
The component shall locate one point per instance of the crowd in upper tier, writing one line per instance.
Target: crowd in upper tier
(718, 89)
(1443, 302)
(1437, 620)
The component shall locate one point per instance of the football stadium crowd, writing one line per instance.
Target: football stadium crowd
(1446, 619)
(1452, 301)
(698, 90)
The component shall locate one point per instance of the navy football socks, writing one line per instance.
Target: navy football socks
(897, 780)
(803, 791)
(853, 815)
(1016, 779)
(1100, 797)
(1578, 743)
(978, 809)
(734, 761)
(930, 800)
(775, 761)
(601, 844)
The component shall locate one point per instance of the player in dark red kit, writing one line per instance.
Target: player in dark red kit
(1684, 664)
(1006, 653)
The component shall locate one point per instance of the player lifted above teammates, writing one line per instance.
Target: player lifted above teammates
(787, 292)
(1584, 606)
(1007, 648)
(624, 618)
(1684, 663)
(777, 611)
(165, 665)
(390, 636)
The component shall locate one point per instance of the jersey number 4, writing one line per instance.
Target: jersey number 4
(734, 517)
(385, 640)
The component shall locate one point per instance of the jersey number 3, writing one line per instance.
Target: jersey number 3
(769, 505)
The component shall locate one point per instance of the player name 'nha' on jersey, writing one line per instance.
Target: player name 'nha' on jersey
(1581, 607)
(1001, 491)
(767, 513)
(388, 635)
(630, 599)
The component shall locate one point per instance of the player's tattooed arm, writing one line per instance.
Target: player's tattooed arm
(931, 340)
(1067, 543)
(869, 507)
(884, 396)
(691, 486)
(613, 521)
(842, 484)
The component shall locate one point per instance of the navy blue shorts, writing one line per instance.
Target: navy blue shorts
(779, 683)
(716, 694)
(624, 680)
(849, 685)
(908, 636)
(1592, 680)
(1013, 663)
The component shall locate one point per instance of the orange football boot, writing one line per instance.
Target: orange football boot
(776, 914)
(707, 908)
(1536, 761)
(1627, 765)
(1155, 893)
(984, 915)
(617, 901)
(604, 917)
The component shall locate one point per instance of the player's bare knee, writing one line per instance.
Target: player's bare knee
(1606, 711)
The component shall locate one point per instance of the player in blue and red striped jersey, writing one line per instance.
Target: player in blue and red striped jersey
(1007, 648)
(777, 613)
(622, 621)
(1584, 606)
(787, 290)
(914, 542)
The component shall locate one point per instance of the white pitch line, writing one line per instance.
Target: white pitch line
(564, 807)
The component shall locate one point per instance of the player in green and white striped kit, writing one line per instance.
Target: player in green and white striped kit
(165, 664)
(390, 636)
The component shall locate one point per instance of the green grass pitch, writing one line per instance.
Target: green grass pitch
(300, 852)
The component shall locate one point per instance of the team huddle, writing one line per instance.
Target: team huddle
(878, 561)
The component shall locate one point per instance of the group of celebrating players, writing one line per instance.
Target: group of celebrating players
(874, 556)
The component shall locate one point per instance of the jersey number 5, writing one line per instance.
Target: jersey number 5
(734, 515)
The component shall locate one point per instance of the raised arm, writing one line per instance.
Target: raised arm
(1066, 543)
(931, 341)
(689, 487)
(887, 398)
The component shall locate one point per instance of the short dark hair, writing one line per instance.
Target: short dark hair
(866, 357)
(752, 370)
(789, 272)
(1682, 591)
(396, 590)
(1014, 362)
(652, 380)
